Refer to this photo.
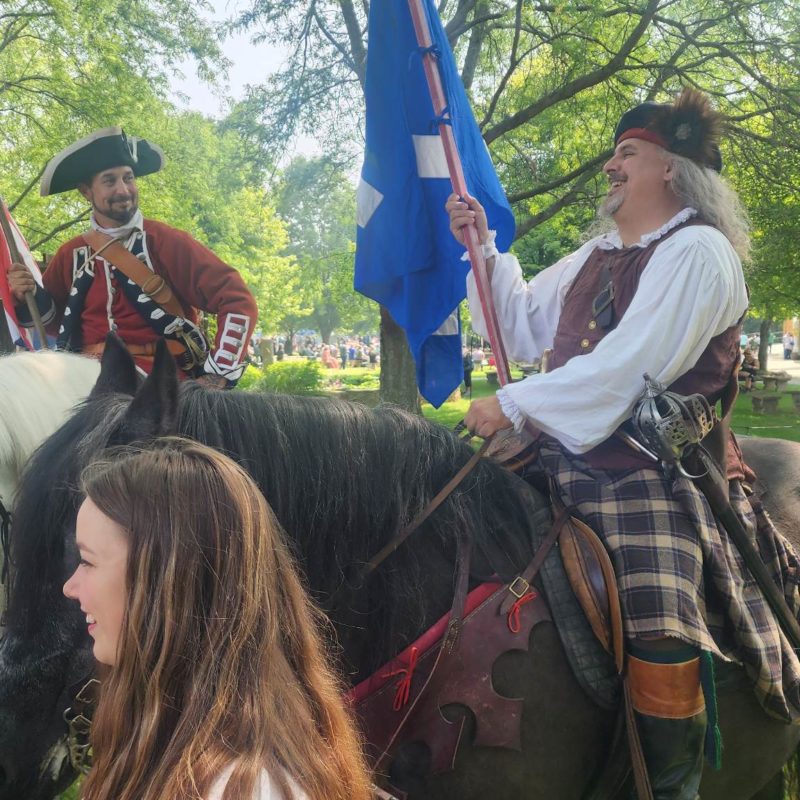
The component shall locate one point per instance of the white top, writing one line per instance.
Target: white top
(691, 290)
(266, 789)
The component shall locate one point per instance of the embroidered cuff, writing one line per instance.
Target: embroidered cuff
(489, 248)
(231, 374)
(511, 410)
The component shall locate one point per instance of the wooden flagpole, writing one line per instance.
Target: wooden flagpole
(460, 188)
(16, 257)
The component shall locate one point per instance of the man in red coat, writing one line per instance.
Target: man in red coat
(90, 288)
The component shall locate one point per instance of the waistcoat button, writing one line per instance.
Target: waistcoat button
(584, 343)
(592, 325)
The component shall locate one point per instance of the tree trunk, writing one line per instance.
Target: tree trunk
(288, 349)
(398, 373)
(763, 347)
(6, 345)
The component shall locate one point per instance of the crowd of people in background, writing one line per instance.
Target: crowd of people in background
(787, 340)
(346, 351)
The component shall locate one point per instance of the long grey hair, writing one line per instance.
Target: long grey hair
(716, 202)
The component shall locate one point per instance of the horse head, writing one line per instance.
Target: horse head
(45, 655)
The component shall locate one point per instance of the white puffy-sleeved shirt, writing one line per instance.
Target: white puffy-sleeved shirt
(691, 290)
(267, 789)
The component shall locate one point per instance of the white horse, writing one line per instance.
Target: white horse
(38, 392)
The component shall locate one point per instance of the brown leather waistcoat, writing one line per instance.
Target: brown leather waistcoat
(578, 333)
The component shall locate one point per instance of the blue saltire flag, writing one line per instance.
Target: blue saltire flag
(406, 258)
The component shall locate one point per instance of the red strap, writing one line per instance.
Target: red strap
(513, 613)
(404, 684)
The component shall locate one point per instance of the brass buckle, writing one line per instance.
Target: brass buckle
(80, 726)
(86, 694)
(519, 593)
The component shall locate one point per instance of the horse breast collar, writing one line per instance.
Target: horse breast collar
(486, 633)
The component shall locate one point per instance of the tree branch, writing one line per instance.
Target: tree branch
(579, 84)
(527, 225)
(589, 167)
(27, 189)
(52, 234)
(356, 40)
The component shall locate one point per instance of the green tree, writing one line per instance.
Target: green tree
(548, 83)
(767, 174)
(71, 67)
(317, 203)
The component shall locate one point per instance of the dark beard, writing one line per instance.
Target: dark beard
(122, 216)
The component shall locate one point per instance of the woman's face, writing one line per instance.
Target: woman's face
(98, 583)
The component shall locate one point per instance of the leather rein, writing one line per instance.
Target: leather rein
(415, 523)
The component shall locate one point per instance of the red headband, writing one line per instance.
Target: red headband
(646, 134)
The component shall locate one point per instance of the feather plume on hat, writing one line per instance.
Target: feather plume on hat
(689, 127)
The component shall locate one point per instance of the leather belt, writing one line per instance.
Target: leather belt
(147, 350)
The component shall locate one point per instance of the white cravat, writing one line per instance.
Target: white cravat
(136, 223)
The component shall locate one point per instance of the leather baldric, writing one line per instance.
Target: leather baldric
(154, 286)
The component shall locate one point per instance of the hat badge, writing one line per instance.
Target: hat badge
(683, 131)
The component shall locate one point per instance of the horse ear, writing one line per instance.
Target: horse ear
(118, 373)
(154, 410)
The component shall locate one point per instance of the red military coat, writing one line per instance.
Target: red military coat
(197, 277)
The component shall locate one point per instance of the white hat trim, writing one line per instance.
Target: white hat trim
(55, 161)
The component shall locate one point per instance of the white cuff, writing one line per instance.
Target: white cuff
(230, 373)
(511, 410)
(489, 248)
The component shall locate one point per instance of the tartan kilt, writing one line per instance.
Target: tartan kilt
(678, 573)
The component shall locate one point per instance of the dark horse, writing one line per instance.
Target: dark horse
(342, 479)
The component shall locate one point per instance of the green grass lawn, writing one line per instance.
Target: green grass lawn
(783, 425)
(452, 412)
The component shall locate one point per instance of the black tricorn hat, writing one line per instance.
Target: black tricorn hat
(689, 127)
(103, 149)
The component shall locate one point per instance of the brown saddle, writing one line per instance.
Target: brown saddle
(591, 575)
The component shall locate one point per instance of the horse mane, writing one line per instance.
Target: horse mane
(341, 478)
(39, 392)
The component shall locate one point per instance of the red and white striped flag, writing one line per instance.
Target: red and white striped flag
(23, 337)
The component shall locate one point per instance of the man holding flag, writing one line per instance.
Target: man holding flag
(662, 293)
(406, 259)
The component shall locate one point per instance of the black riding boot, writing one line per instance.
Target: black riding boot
(673, 751)
(671, 719)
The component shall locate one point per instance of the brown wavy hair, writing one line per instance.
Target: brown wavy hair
(221, 658)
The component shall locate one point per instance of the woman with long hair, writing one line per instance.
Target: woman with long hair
(218, 687)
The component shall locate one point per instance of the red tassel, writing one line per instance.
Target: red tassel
(404, 684)
(513, 612)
